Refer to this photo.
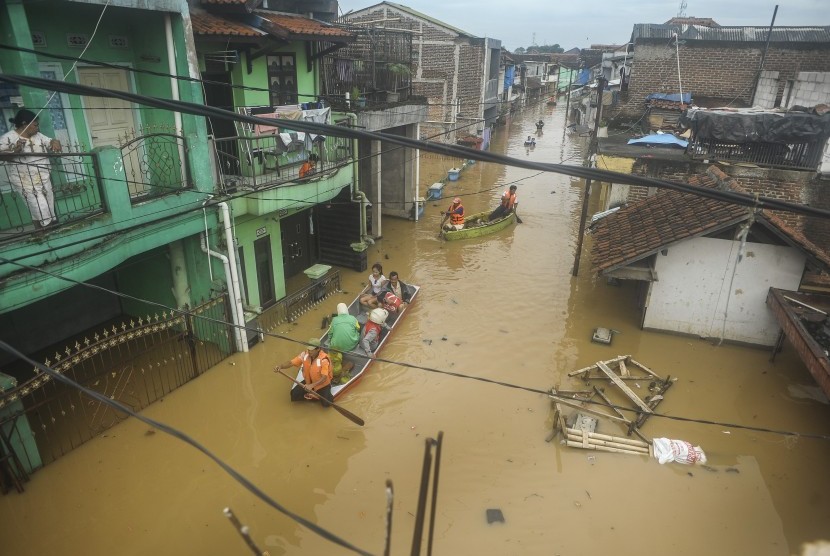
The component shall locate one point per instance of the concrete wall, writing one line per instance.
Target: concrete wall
(767, 90)
(695, 287)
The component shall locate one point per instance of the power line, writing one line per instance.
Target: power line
(179, 435)
(450, 150)
(420, 367)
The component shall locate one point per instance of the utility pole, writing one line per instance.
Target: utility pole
(763, 58)
(592, 149)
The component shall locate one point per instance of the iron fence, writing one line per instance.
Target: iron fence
(155, 164)
(47, 189)
(136, 363)
(265, 160)
(794, 156)
(289, 308)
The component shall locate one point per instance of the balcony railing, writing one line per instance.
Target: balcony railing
(48, 189)
(264, 160)
(153, 164)
(795, 156)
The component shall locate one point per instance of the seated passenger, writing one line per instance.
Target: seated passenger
(397, 287)
(344, 335)
(376, 283)
(371, 331)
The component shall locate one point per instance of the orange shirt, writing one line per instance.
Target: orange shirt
(306, 169)
(314, 370)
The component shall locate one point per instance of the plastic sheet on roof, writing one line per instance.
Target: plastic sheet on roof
(748, 126)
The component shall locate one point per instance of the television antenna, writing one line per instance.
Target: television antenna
(681, 11)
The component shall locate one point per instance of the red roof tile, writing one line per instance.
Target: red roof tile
(298, 26)
(646, 226)
(209, 24)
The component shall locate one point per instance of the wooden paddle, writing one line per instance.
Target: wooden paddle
(518, 220)
(441, 226)
(342, 410)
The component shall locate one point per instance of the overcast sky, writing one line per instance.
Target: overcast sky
(581, 23)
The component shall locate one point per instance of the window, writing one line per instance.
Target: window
(282, 79)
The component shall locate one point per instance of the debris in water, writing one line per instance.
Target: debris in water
(732, 470)
(443, 338)
(494, 515)
(602, 335)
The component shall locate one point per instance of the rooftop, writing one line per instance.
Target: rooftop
(813, 34)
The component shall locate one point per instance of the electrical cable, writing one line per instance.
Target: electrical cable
(450, 150)
(415, 366)
(179, 435)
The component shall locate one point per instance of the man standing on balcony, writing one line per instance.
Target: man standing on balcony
(30, 176)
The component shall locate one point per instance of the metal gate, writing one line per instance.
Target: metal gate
(136, 363)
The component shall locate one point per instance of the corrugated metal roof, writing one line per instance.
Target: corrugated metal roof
(731, 34)
(417, 14)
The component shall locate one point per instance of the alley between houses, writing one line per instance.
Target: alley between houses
(505, 308)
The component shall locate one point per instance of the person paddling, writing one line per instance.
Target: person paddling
(317, 375)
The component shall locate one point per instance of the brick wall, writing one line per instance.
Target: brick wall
(713, 69)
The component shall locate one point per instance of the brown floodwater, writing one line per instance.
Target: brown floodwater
(511, 311)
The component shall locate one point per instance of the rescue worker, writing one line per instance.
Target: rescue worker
(344, 334)
(456, 215)
(372, 329)
(508, 203)
(316, 367)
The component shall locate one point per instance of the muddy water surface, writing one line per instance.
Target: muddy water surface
(509, 310)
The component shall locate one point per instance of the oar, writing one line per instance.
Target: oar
(343, 411)
(441, 227)
(518, 220)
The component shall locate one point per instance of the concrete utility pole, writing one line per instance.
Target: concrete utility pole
(592, 149)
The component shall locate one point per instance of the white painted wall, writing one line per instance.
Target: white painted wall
(693, 287)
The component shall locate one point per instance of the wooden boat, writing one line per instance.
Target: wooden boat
(478, 225)
(361, 362)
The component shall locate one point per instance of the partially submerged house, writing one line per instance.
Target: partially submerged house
(703, 266)
(455, 70)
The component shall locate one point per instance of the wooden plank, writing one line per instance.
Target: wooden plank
(604, 449)
(646, 369)
(594, 366)
(590, 411)
(609, 438)
(596, 442)
(622, 386)
(624, 370)
(631, 426)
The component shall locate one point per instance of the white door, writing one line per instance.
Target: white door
(107, 118)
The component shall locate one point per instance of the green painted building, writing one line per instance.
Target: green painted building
(129, 184)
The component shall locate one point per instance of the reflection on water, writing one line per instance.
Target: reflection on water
(502, 307)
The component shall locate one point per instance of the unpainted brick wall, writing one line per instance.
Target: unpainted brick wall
(722, 70)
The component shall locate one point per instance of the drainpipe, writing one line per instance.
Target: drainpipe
(241, 345)
(174, 83)
(417, 172)
(357, 195)
(231, 277)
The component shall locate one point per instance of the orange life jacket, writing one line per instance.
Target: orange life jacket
(455, 218)
(314, 370)
(391, 302)
(372, 326)
(508, 200)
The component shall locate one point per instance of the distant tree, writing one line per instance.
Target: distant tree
(550, 48)
(519, 50)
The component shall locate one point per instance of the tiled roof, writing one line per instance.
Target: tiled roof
(299, 27)
(643, 228)
(209, 24)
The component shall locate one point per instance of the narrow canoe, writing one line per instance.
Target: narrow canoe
(477, 225)
(361, 362)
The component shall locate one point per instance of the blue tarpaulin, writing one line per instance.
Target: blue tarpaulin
(662, 139)
(673, 97)
(584, 76)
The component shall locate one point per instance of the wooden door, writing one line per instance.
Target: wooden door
(264, 271)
